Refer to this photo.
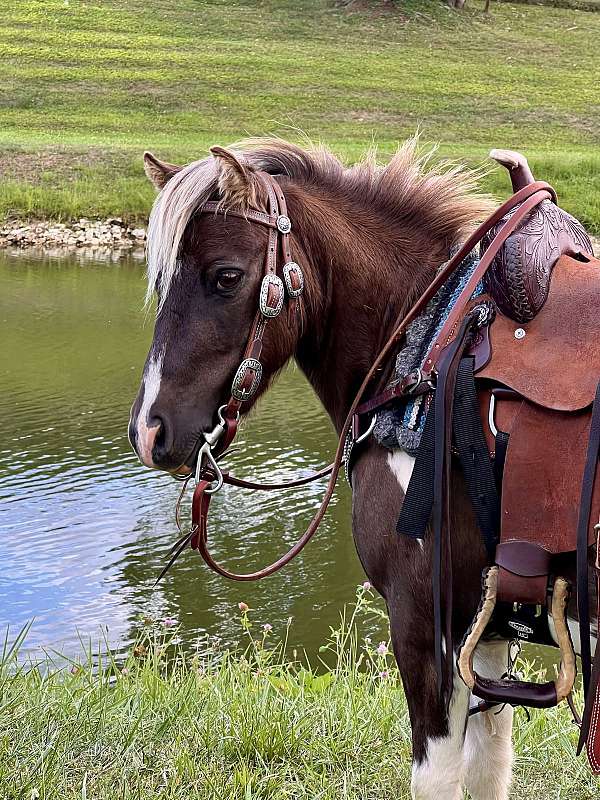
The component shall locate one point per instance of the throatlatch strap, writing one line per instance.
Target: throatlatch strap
(583, 527)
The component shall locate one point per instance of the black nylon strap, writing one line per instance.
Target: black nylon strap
(442, 409)
(474, 456)
(583, 526)
(475, 462)
(418, 501)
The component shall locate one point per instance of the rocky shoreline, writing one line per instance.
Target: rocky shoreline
(106, 238)
(111, 233)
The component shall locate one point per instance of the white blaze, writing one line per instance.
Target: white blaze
(146, 435)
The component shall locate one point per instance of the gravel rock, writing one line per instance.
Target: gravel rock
(111, 233)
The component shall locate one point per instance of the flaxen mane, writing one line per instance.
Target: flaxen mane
(442, 198)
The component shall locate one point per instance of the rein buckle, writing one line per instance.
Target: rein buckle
(206, 457)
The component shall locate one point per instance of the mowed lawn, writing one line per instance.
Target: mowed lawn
(88, 84)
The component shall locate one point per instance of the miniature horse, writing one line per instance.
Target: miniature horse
(369, 241)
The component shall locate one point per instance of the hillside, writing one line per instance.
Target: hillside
(88, 85)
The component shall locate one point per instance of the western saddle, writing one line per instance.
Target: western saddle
(532, 344)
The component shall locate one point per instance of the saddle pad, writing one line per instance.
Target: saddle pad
(556, 363)
(541, 488)
(402, 424)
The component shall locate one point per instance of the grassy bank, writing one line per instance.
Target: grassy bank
(252, 724)
(87, 85)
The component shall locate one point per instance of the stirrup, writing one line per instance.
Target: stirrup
(524, 693)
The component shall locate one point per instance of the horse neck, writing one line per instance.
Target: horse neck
(362, 269)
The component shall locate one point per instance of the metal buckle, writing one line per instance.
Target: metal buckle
(413, 383)
(237, 389)
(289, 270)
(492, 415)
(265, 309)
(205, 455)
(284, 224)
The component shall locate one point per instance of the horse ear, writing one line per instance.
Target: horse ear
(159, 172)
(238, 185)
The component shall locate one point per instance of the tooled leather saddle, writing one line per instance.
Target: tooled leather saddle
(540, 388)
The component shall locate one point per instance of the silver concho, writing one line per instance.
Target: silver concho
(265, 309)
(237, 390)
(284, 224)
(292, 268)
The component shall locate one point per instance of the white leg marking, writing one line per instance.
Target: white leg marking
(152, 380)
(439, 776)
(488, 744)
(402, 465)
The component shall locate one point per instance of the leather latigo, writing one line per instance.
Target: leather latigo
(593, 741)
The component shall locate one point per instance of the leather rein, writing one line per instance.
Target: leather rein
(209, 477)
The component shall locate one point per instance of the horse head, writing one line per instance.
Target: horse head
(207, 271)
(368, 240)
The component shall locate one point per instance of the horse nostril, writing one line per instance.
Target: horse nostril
(163, 439)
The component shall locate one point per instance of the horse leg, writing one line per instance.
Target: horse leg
(488, 741)
(400, 569)
(437, 735)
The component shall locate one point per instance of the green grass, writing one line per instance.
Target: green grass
(245, 725)
(88, 84)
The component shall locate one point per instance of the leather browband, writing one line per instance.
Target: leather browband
(215, 207)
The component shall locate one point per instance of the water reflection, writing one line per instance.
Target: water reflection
(84, 528)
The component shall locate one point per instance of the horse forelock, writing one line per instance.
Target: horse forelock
(444, 197)
(173, 209)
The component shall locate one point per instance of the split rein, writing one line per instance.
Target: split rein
(209, 477)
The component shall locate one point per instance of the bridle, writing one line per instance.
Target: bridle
(209, 477)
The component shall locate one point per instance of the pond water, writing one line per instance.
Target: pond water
(84, 528)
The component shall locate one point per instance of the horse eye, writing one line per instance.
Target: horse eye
(228, 279)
